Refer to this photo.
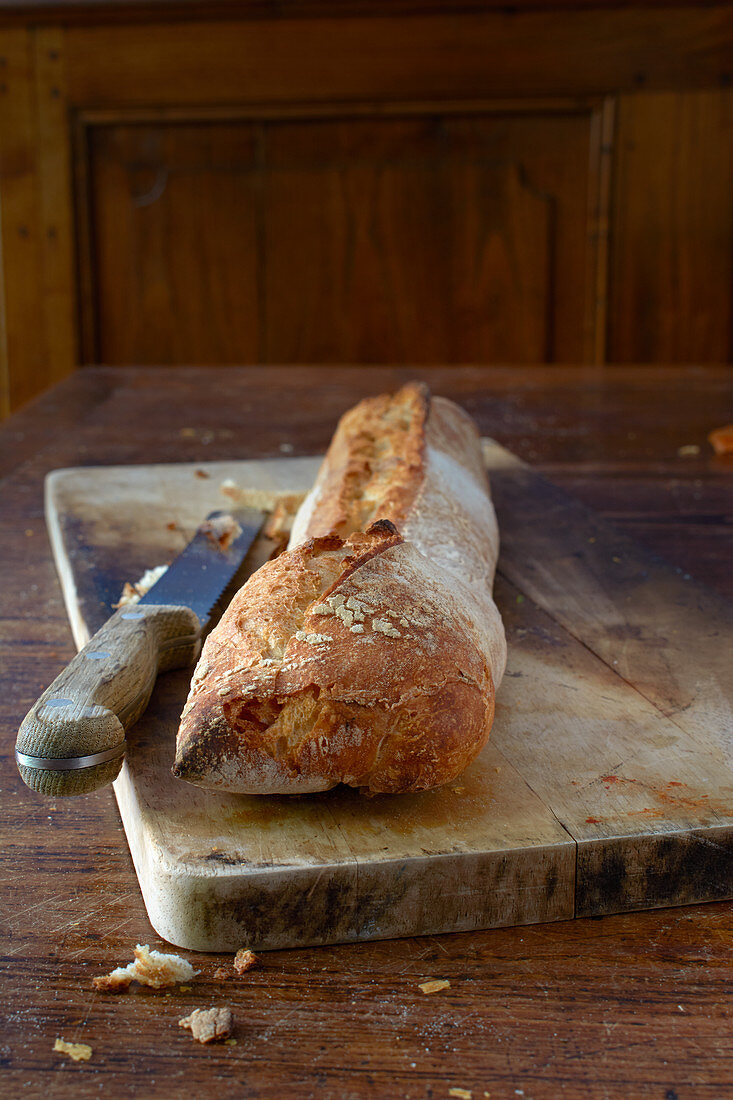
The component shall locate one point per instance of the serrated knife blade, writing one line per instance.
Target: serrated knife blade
(201, 572)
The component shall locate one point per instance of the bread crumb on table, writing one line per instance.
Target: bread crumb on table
(244, 960)
(434, 986)
(80, 1052)
(209, 1025)
(464, 1094)
(118, 981)
(153, 968)
(221, 974)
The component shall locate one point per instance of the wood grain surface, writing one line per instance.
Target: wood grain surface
(100, 11)
(636, 1005)
(395, 180)
(659, 310)
(431, 235)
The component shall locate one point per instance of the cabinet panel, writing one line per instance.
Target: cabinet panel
(174, 242)
(673, 229)
(441, 238)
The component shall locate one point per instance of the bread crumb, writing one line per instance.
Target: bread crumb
(230, 488)
(322, 609)
(208, 1025)
(80, 1052)
(244, 960)
(118, 981)
(721, 440)
(357, 628)
(185, 988)
(434, 986)
(221, 974)
(221, 531)
(464, 1094)
(230, 1042)
(156, 969)
(153, 968)
(202, 474)
(131, 593)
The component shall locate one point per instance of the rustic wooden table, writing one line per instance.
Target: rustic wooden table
(621, 1007)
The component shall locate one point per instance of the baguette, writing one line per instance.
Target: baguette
(370, 651)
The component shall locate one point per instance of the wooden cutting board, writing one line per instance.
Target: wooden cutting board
(607, 784)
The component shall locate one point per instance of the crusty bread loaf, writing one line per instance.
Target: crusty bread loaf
(369, 652)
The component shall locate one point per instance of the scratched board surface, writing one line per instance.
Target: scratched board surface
(607, 784)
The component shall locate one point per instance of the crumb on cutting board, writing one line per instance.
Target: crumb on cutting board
(153, 968)
(208, 1025)
(282, 507)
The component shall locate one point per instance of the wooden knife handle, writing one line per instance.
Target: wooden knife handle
(73, 739)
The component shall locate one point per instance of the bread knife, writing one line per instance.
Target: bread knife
(73, 739)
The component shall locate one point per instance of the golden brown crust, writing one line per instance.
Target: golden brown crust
(376, 462)
(369, 659)
(375, 465)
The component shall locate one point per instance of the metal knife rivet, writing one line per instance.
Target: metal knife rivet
(132, 615)
(59, 702)
(97, 655)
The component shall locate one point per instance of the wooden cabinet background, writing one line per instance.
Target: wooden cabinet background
(431, 238)
(419, 186)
